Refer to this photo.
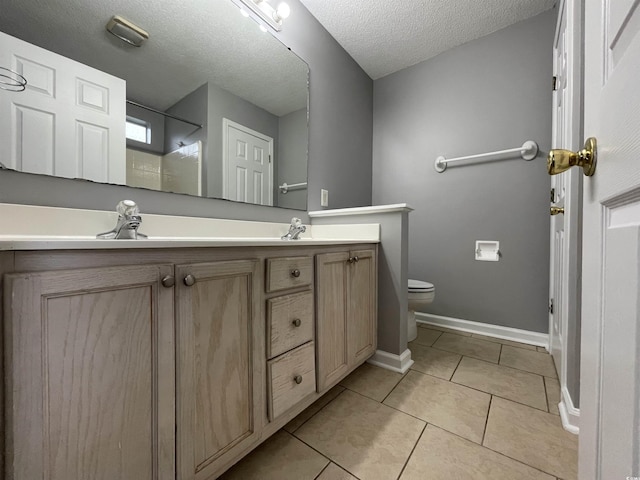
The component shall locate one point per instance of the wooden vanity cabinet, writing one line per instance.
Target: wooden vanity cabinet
(89, 374)
(219, 368)
(346, 295)
(172, 364)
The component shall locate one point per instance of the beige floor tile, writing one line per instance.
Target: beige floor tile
(504, 342)
(367, 438)
(541, 349)
(455, 408)
(532, 437)
(469, 346)
(371, 381)
(446, 456)
(334, 472)
(444, 329)
(552, 386)
(426, 336)
(282, 457)
(534, 362)
(435, 362)
(314, 408)
(506, 382)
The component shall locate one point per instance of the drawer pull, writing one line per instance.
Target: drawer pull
(298, 379)
(189, 280)
(168, 281)
(297, 322)
(295, 273)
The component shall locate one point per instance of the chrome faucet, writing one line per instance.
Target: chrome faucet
(295, 229)
(129, 219)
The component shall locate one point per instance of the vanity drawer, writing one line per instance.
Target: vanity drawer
(288, 272)
(291, 377)
(289, 322)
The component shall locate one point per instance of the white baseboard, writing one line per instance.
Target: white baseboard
(396, 363)
(569, 414)
(498, 331)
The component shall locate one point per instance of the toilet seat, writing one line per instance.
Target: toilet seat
(419, 286)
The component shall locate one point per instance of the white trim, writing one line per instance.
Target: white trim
(569, 414)
(226, 123)
(396, 207)
(396, 363)
(497, 331)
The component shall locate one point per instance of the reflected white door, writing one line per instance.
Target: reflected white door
(247, 167)
(610, 380)
(70, 120)
(565, 191)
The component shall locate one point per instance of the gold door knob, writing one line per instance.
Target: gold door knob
(560, 160)
(557, 210)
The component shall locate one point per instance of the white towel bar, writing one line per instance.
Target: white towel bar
(528, 151)
(284, 188)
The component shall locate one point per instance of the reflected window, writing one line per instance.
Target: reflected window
(138, 130)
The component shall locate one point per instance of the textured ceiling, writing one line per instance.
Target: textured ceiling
(191, 42)
(385, 36)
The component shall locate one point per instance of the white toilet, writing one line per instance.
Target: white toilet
(420, 294)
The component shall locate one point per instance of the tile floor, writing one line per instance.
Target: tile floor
(471, 408)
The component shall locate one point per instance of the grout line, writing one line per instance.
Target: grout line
(456, 369)
(500, 354)
(325, 456)
(394, 387)
(486, 421)
(546, 394)
(465, 354)
(321, 471)
(319, 410)
(412, 450)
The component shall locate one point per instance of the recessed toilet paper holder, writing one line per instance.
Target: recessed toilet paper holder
(488, 250)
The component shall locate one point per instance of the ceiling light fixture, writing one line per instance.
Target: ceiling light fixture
(263, 9)
(126, 31)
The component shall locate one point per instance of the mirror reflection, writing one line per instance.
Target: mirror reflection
(188, 97)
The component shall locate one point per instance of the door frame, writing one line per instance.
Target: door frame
(226, 123)
(571, 269)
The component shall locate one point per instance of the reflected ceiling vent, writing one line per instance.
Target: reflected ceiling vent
(126, 31)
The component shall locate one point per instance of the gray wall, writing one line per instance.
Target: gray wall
(292, 158)
(340, 142)
(490, 94)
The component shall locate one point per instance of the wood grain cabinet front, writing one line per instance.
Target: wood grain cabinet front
(219, 367)
(89, 374)
(290, 322)
(346, 293)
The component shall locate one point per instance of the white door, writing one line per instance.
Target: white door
(70, 120)
(610, 380)
(247, 167)
(565, 193)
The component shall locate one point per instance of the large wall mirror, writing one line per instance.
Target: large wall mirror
(207, 105)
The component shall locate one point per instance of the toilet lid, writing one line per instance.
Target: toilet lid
(418, 286)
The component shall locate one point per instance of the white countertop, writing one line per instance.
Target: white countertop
(27, 227)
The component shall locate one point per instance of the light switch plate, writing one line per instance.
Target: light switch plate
(324, 197)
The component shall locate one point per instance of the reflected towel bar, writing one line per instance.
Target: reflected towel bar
(528, 151)
(284, 188)
(165, 114)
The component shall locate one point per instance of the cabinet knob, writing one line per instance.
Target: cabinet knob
(168, 281)
(298, 379)
(297, 322)
(355, 259)
(350, 260)
(295, 273)
(189, 280)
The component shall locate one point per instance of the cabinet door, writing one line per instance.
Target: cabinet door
(220, 364)
(90, 374)
(331, 287)
(362, 306)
